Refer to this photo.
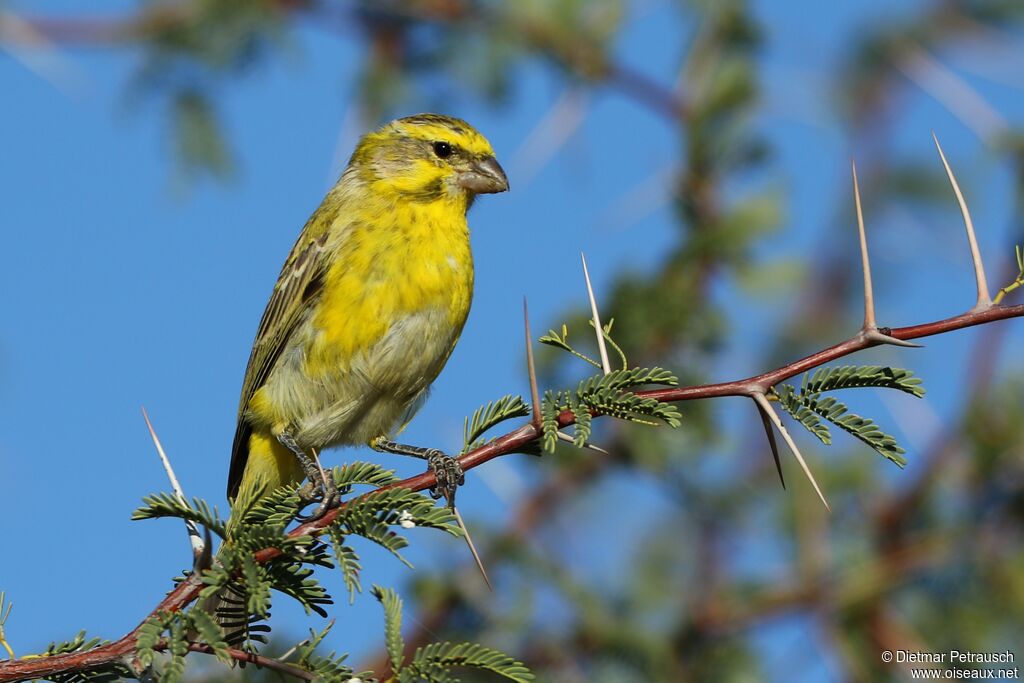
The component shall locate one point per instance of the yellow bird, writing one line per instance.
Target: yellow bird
(367, 308)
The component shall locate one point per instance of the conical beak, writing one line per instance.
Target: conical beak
(484, 177)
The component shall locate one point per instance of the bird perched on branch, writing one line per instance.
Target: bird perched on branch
(367, 309)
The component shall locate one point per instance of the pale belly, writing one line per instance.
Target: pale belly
(375, 396)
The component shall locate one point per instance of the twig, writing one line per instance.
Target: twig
(1019, 281)
(4, 615)
(258, 660)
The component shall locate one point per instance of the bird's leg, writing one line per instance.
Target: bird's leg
(446, 469)
(320, 486)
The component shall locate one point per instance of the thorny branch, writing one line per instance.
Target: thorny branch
(512, 442)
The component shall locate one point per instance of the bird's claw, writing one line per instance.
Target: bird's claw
(312, 492)
(448, 474)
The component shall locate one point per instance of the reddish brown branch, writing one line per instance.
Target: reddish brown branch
(258, 660)
(514, 441)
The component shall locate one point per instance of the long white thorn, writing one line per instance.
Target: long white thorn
(870, 328)
(562, 436)
(869, 294)
(472, 548)
(531, 367)
(194, 538)
(984, 300)
(605, 365)
(764, 404)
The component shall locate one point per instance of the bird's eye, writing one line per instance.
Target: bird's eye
(442, 149)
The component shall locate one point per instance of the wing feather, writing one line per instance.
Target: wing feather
(295, 292)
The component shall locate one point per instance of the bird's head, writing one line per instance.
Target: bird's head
(429, 157)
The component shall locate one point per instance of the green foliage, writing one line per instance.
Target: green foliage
(549, 410)
(392, 625)
(197, 132)
(613, 395)
(362, 474)
(168, 505)
(209, 633)
(172, 633)
(808, 406)
(485, 417)
(560, 340)
(188, 51)
(347, 560)
(1018, 281)
(372, 516)
(104, 674)
(856, 376)
(77, 644)
(5, 614)
(582, 420)
(328, 668)
(434, 662)
(438, 658)
(241, 588)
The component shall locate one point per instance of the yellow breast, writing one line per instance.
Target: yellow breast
(409, 259)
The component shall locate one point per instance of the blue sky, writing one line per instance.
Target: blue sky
(120, 291)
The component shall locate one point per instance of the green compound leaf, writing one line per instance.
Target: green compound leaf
(809, 407)
(435, 660)
(329, 668)
(581, 431)
(107, 673)
(611, 395)
(210, 633)
(792, 403)
(550, 407)
(362, 474)
(257, 586)
(372, 516)
(854, 376)
(485, 417)
(168, 505)
(392, 625)
(348, 562)
(561, 341)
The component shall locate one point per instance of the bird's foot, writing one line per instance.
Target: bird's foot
(320, 485)
(447, 471)
(325, 492)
